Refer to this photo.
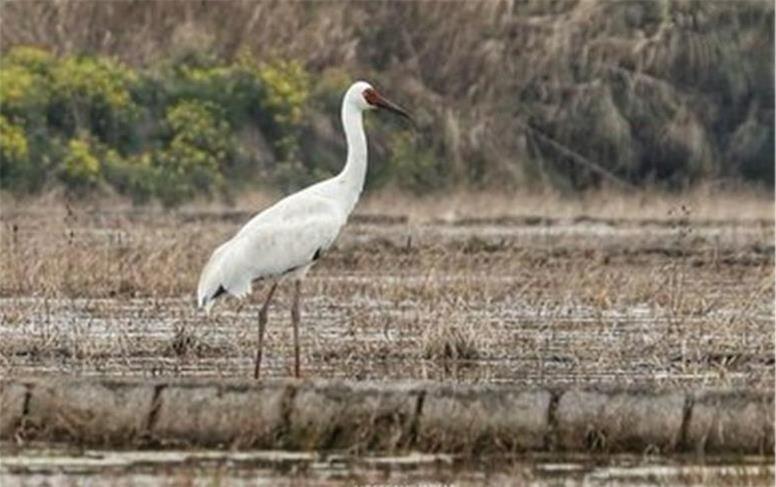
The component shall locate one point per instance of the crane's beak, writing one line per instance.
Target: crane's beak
(381, 102)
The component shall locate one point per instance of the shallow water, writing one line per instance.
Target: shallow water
(62, 466)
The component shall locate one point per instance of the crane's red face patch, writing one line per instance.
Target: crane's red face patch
(372, 97)
(376, 100)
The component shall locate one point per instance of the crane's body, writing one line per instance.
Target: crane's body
(285, 239)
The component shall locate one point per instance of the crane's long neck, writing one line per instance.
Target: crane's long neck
(353, 175)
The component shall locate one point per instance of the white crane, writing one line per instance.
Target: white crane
(284, 240)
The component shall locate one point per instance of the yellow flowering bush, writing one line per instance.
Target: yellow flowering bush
(23, 83)
(14, 155)
(81, 166)
(199, 124)
(198, 146)
(13, 141)
(286, 90)
(134, 176)
(92, 95)
(97, 80)
(22, 92)
(32, 58)
(169, 131)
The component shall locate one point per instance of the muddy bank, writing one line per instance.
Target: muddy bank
(384, 416)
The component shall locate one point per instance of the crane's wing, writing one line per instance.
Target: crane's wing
(267, 249)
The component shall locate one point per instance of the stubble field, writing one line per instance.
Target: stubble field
(660, 293)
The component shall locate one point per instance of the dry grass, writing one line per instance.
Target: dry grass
(629, 297)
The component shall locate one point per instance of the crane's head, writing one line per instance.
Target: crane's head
(365, 97)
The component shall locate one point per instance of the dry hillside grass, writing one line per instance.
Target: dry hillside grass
(565, 94)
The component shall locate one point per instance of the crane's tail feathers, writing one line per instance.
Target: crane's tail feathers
(224, 273)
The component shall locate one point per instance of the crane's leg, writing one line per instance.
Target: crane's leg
(262, 325)
(295, 323)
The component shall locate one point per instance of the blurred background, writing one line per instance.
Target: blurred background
(172, 101)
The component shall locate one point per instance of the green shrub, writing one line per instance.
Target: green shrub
(13, 143)
(94, 80)
(200, 124)
(286, 91)
(235, 88)
(24, 94)
(166, 132)
(199, 144)
(14, 154)
(94, 95)
(133, 176)
(80, 167)
(34, 59)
